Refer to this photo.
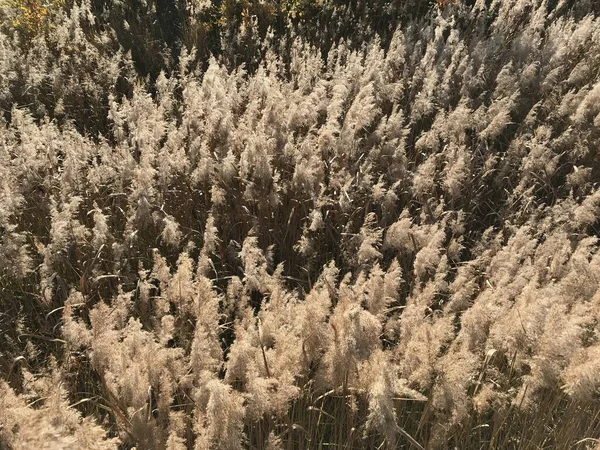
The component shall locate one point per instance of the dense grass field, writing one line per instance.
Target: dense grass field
(299, 224)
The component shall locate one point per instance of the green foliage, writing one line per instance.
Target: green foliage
(33, 17)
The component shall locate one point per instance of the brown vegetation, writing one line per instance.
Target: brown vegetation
(384, 245)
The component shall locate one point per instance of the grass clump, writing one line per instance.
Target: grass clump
(268, 231)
